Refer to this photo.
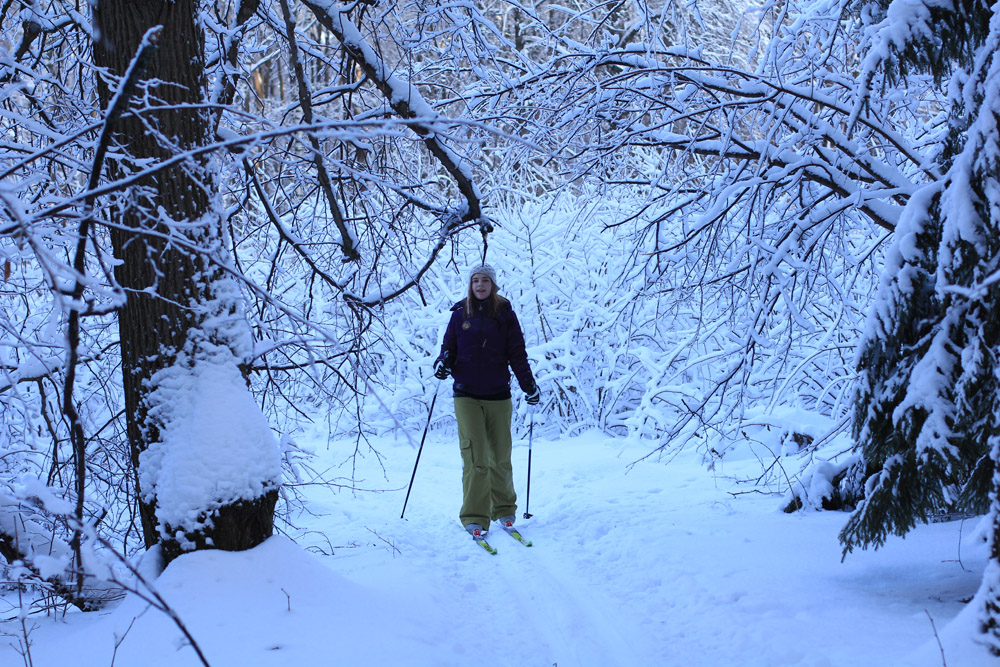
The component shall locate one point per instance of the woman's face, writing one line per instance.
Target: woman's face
(482, 286)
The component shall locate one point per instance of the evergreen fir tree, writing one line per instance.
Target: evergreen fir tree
(926, 421)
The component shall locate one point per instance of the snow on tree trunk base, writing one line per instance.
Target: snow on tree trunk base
(824, 485)
(234, 527)
(213, 473)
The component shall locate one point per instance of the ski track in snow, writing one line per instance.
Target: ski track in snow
(564, 607)
(548, 604)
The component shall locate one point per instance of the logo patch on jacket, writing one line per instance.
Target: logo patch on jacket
(466, 325)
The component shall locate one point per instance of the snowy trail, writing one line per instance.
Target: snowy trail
(549, 600)
(661, 565)
(657, 565)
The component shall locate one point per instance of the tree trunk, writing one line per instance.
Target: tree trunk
(163, 281)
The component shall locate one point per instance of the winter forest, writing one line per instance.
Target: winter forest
(230, 232)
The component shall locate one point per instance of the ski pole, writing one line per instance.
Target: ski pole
(420, 449)
(531, 434)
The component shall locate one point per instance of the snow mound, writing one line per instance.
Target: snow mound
(275, 604)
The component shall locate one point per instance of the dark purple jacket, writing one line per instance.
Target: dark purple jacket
(479, 350)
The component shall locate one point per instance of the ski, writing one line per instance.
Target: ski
(516, 534)
(479, 536)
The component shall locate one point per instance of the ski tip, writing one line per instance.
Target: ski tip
(516, 534)
(485, 545)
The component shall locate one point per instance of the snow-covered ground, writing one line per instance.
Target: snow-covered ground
(660, 564)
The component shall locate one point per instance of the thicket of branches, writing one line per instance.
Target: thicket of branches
(337, 182)
(712, 179)
(751, 195)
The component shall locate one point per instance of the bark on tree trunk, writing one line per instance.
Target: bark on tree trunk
(162, 279)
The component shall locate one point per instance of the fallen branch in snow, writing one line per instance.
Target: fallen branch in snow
(936, 638)
(395, 549)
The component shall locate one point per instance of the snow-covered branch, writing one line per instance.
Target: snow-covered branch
(405, 100)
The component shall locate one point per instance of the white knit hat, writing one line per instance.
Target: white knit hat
(486, 270)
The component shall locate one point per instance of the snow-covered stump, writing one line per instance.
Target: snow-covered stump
(212, 475)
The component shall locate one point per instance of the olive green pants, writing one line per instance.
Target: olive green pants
(487, 476)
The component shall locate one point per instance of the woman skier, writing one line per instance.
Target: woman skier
(483, 340)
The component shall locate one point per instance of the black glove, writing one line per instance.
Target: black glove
(441, 372)
(533, 397)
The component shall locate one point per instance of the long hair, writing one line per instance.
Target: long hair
(494, 302)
